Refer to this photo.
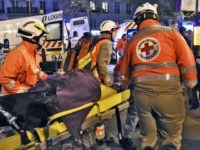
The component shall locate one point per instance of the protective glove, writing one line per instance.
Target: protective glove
(118, 87)
(194, 100)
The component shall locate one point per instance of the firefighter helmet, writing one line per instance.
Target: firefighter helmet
(108, 26)
(145, 11)
(32, 28)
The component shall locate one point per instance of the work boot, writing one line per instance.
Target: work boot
(127, 144)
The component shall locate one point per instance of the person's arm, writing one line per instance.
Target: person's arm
(185, 60)
(119, 45)
(10, 72)
(187, 65)
(103, 61)
(125, 66)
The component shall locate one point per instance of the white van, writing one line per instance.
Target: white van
(79, 24)
(54, 46)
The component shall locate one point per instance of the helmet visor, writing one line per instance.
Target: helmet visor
(40, 27)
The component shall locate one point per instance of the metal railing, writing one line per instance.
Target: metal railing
(11, 10)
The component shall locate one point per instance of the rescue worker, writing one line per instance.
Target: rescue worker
(101, 54)
(21, 69)
(121, 45)
(155, 58)
(82, 47)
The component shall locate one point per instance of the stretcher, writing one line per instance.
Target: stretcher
(55, 132)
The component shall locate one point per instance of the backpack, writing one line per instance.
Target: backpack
(81, 54)
(84, 57)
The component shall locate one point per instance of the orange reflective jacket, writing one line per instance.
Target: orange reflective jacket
(100, 58)
(85, 45)
(121, 45)
(21, 70)
(158, 52)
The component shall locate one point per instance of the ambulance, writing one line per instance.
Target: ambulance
(79, 24)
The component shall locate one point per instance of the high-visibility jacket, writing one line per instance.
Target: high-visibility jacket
(160, 53)
(121, 45)
(84, 47)
(21, 69)
(98, 58)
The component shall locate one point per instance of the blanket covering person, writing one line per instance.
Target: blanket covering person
(57, 93)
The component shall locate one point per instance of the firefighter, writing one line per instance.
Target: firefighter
(21, 69)
(101, 54)
(156, 57)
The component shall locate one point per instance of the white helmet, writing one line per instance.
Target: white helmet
(147, 9)
(108, 26)
(32, 28)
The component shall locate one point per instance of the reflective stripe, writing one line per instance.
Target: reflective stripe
(95, 73)
(22, 89)
(123, 78)
(10, 85)
(149, 30)
(41, 74)
(191, 83)
(188, 69)
(84, 61)
(155, 66)
(156, 77)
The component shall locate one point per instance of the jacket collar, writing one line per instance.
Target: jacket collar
(105, 35)
(31, 48)
(149, 22)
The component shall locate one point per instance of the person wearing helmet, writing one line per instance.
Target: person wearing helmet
(155, 59)
(21, 69)
(101, 53)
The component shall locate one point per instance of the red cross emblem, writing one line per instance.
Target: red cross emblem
(147, 48)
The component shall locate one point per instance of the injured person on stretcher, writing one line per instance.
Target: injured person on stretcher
(55, 109)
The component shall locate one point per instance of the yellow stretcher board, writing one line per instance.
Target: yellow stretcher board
(101, 110)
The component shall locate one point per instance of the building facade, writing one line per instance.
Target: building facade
(96, 10)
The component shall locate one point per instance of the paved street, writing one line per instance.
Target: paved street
(191, 132)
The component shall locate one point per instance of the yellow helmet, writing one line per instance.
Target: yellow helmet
(32, 28)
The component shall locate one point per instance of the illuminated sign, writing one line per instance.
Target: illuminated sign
(197, 35)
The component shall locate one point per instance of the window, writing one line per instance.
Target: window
(2, 6)
(54, 31)
(128, 8)
(92, 6)
(42, 5)
(13, 3)
(17, 4)
(79, 22)
(117, 7)
(55, 6)
(93, 23)
(105, 6)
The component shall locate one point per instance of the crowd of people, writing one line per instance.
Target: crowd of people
(156, 62)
